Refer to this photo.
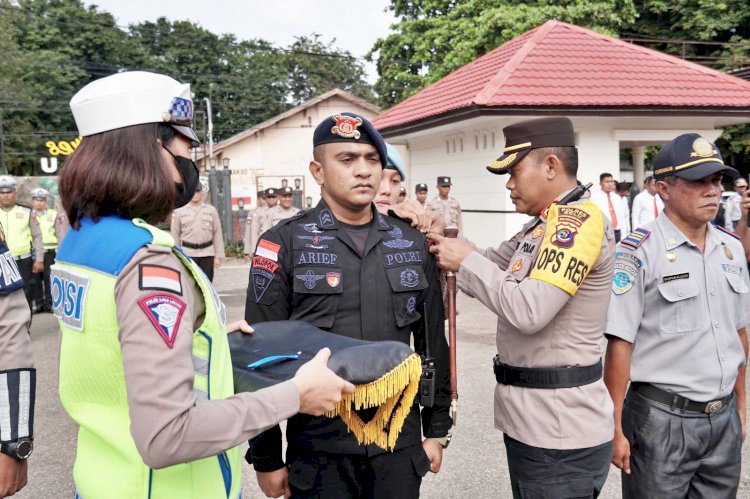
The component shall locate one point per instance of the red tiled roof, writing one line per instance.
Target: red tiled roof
(562, 65)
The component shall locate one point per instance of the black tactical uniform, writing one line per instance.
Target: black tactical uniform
(368, 282)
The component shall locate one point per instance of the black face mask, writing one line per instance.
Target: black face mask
(184, 192)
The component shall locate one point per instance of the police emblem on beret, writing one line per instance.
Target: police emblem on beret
(702, 148)
(346, 126)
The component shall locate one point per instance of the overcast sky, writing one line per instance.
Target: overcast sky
(355, 24)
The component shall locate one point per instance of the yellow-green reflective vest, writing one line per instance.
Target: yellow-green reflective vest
(92, 383)
(47, 224)
(15, 224)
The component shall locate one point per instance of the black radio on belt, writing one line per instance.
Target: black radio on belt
(427, 381)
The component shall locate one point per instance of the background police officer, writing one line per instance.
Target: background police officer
(51, 226)
(196, 228)
(247, 240)
(277, 213)
(347, 269)
(22, 232)
(271, 200)
(421, 192)
(676, 328)
(549, 287)
(447, 206)
(17, 377)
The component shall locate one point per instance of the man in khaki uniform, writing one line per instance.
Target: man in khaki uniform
(247, 241)
(447, 206)
(272, 200)
(421, 193)
(283, 210)
(51, 226)
(22, 232)
(549, 287)
(197, 230)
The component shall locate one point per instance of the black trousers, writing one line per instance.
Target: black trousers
(24, 267)
(390, 475)
(675, 453)
(206, 263)
(41, 291)
(537, 473)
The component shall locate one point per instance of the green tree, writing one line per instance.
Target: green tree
(434, 37)
(52, 48)
(314, 67)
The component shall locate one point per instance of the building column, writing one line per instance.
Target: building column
(638, 162)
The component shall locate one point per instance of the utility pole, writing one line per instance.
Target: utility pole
(3, 167)
(218, 181)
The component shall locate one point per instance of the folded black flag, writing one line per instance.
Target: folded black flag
(386, 373)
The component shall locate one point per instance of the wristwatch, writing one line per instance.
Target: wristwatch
(444, 441)
(18, 449)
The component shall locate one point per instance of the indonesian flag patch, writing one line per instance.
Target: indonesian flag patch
(268, 249)
(165, 313)
(159, 278)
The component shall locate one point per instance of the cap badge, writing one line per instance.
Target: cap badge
(180, 112)
(346, 126)
(703, 148)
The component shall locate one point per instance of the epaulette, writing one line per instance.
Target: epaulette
(636, 238)
(726, 231)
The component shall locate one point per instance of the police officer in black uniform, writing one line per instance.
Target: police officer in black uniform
(347, 269)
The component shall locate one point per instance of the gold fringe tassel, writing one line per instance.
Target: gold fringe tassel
(393, 394)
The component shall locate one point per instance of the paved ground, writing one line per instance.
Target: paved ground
(474, 466)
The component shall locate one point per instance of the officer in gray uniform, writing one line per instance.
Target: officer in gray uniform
(676, 329)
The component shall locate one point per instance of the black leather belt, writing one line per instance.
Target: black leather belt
(546, 377)
(190, 245)
(667, 398)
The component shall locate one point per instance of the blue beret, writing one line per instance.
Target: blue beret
(394, 161)
(349, 127)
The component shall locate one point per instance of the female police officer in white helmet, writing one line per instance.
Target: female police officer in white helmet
(145, 369)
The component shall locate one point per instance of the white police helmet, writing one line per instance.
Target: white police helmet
(133, 98)
(7, 183)
(39, 193)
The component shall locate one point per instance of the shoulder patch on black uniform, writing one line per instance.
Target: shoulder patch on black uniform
(726, 231)
(636, 238)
